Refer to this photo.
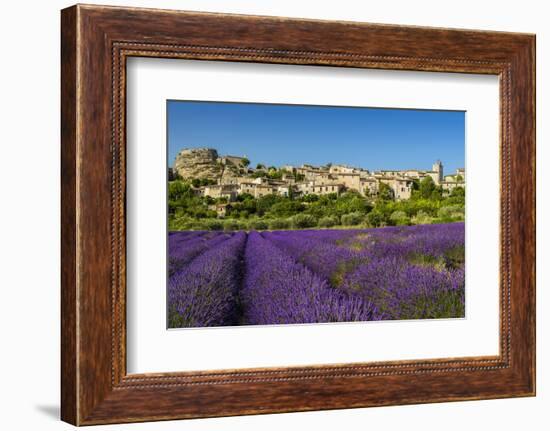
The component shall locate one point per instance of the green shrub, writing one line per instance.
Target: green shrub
(213, 224)
(422, 218)
(329, 221)
(450, 211)
(286, 208)
(400, 218)
(352, 219)
(375, 219)
(258, 224)
(179, 223)
(278, 223)
(301, 221)
(385, 192)
(230, 225)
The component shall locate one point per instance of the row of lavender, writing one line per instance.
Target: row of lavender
(313, 276)
(412, 272)
(205, 276)
(278, 289)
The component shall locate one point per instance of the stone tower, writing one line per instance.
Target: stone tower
(438, 168)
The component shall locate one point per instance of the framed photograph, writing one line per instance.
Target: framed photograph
(264, 215)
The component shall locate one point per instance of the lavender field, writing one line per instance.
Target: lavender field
(315, 276)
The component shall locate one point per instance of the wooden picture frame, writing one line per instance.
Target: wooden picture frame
(95, 43)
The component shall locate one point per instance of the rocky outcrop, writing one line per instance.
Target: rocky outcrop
(198, 163)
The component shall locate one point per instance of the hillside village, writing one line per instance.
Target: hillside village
(230, 176)
(208, 191)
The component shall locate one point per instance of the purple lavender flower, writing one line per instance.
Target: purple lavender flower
(205, 292)
(183, 248)
(312, 276)
(279, 290)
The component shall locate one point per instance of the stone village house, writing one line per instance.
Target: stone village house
(234, 178)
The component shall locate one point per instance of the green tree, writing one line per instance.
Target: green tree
(352, 219)
(400, 218)
(385, 192)
(179, 189)
(456, 197)
(259, 174)
(451, 213)
(458, 192)
(286, 208)
(213, 224)
(245, 162)
(264, 203)
(258, 224)
(275, 174)
(250, 206)
(352, 201)
(427, 189)
(244, 197)
(198, 182)
(422, 218)
(232, 225)
(321, 207)
(278, 223)
(375, 218)
(329, 221)
(300, 221)
(310, 198)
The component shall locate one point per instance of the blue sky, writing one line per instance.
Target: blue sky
(371, 138)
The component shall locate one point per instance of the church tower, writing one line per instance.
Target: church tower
(438, 168)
